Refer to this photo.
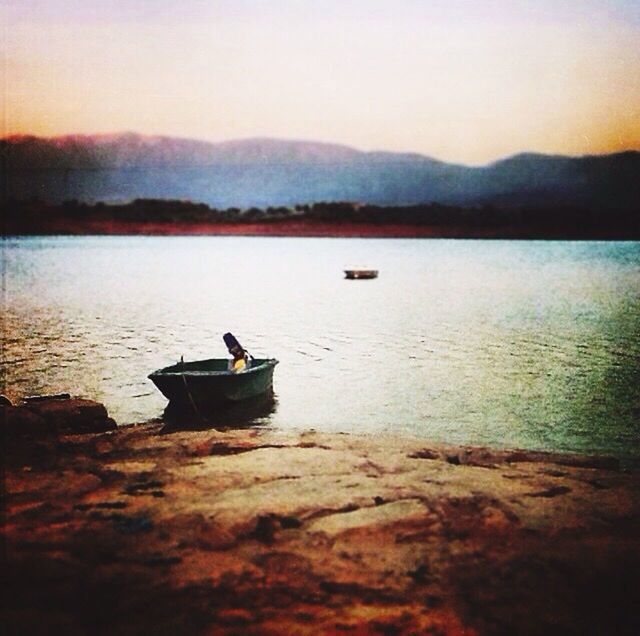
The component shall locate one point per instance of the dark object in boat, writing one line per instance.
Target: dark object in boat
(205, 384)
(353, 274)
(231, 341)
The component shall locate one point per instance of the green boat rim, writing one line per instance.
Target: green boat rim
(172, 370)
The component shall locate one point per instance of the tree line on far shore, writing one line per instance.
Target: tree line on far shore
(35, 216)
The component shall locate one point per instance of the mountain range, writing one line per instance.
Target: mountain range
(269, 172)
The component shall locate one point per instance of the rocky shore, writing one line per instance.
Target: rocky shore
(143, 529)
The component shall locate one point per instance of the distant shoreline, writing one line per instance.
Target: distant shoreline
(302, 229)
(159, 217)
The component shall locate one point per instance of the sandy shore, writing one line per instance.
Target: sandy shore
(141, 531)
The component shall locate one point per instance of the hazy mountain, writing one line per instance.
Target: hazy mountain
(269, 172)
(131, 150)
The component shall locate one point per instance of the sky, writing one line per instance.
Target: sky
(459, 80)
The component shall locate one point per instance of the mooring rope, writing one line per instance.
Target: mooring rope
(193, 404)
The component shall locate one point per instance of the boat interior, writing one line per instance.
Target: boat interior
(215, 365)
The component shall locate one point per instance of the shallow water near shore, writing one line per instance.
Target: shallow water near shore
(525, 344)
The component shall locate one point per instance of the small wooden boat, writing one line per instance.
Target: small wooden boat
(205, 384)
(353, 274)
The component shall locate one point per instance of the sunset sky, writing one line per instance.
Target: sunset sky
(459, 80)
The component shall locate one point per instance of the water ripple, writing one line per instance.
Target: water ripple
(469, 342)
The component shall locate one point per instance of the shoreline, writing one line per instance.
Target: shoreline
(260, 531)
(293, 229)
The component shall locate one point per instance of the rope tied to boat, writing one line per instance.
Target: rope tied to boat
(193, 404)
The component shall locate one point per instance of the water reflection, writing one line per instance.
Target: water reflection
(249, 413)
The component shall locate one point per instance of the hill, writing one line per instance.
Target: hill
(268, 172)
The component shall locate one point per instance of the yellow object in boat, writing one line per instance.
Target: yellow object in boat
(239, 365)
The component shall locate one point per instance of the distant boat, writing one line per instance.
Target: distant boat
(206, 384)
(353, 274)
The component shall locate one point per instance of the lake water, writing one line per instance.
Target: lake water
(522, 344)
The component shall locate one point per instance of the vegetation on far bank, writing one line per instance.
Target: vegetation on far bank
(34, 216)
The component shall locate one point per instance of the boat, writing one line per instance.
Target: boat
(206, 384)
(353, 274)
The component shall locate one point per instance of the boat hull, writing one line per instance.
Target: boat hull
(355, 274)
(207, 384)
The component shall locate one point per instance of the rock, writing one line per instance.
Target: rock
(73, 415)
(374, 516)
(272, 532)
(491, 458)
(18, 421)
(50, 417)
